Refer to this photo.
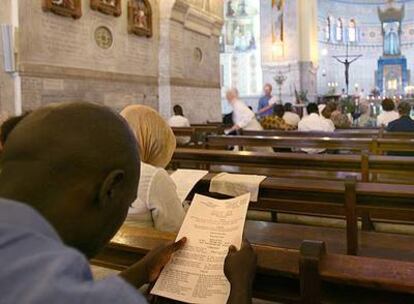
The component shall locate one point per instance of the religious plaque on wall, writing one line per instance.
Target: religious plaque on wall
(103, 37)
(109, 7)
(140, 18)
(67, 8)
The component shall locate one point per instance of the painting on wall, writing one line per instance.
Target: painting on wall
(109, 7)
(140, 17)
(67, 8)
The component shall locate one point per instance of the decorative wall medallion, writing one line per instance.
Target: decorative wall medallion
(372, 35)
(103, 37)
(140, 18)
(109, 7)
(198, 55)
(67, 8)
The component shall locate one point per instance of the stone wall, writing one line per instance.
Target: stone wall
(59, 59)
(6, 79)
(193, 80)
(297, 64)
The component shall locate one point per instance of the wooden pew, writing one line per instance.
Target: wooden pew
(374, 145)
(183, 131)
(325, 166)
(349, 200)
(198, 133)
(307, 274)
(348, 133)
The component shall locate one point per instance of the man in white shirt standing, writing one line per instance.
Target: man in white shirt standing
(314, 122)
(243, 117)
(179, 121)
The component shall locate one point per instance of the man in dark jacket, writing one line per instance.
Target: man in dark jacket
(404, 123)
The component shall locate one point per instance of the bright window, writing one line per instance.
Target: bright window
(328, 29)
(352, 35)
(339, 30)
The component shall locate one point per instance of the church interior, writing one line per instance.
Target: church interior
(207, 151)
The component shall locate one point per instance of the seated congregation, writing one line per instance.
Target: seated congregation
(206, 152)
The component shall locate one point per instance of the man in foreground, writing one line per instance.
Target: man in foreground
(69, 174)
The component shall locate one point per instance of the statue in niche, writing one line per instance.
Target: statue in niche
(391, 20)
(230, 10)
(277, 20)
(242, 8)
(109, 7)
(67, 8)
(140, 17)
(392, 39)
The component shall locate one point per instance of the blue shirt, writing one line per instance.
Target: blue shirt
(264, 102)
(402, 124)
(37, 268)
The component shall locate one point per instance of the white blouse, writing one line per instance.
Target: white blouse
(386, 117)
(157, 204)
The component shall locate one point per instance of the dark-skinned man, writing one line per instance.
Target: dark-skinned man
(69, 174)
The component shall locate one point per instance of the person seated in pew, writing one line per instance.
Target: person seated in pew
(276, 121)
(389, 114)
(290, 117)
(404, 123)
(69, 175)
(7, 126)
(326, 113)
(178, 120)
(157, 204)
(340, 119)
(314, 122)
(365, 120)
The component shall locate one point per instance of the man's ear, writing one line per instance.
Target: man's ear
(111, 187)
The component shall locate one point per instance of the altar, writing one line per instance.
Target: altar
(392, 75)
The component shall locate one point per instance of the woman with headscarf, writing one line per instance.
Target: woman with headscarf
(157, 204)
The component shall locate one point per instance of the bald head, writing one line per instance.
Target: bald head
(232, 95)
(78, 165)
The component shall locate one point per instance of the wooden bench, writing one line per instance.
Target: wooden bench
(198, 134)
(310, 273)
(349, 200)
(374, 145)
(349, 133)
(325, 166)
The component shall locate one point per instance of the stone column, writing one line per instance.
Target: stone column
(164, 84)
(10, 85)
(298, 62)
(308, 46)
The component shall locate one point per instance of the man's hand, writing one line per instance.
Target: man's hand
(149, 268)
(240, 269)
(156, 259)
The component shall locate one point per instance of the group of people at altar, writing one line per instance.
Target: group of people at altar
(272, 114)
